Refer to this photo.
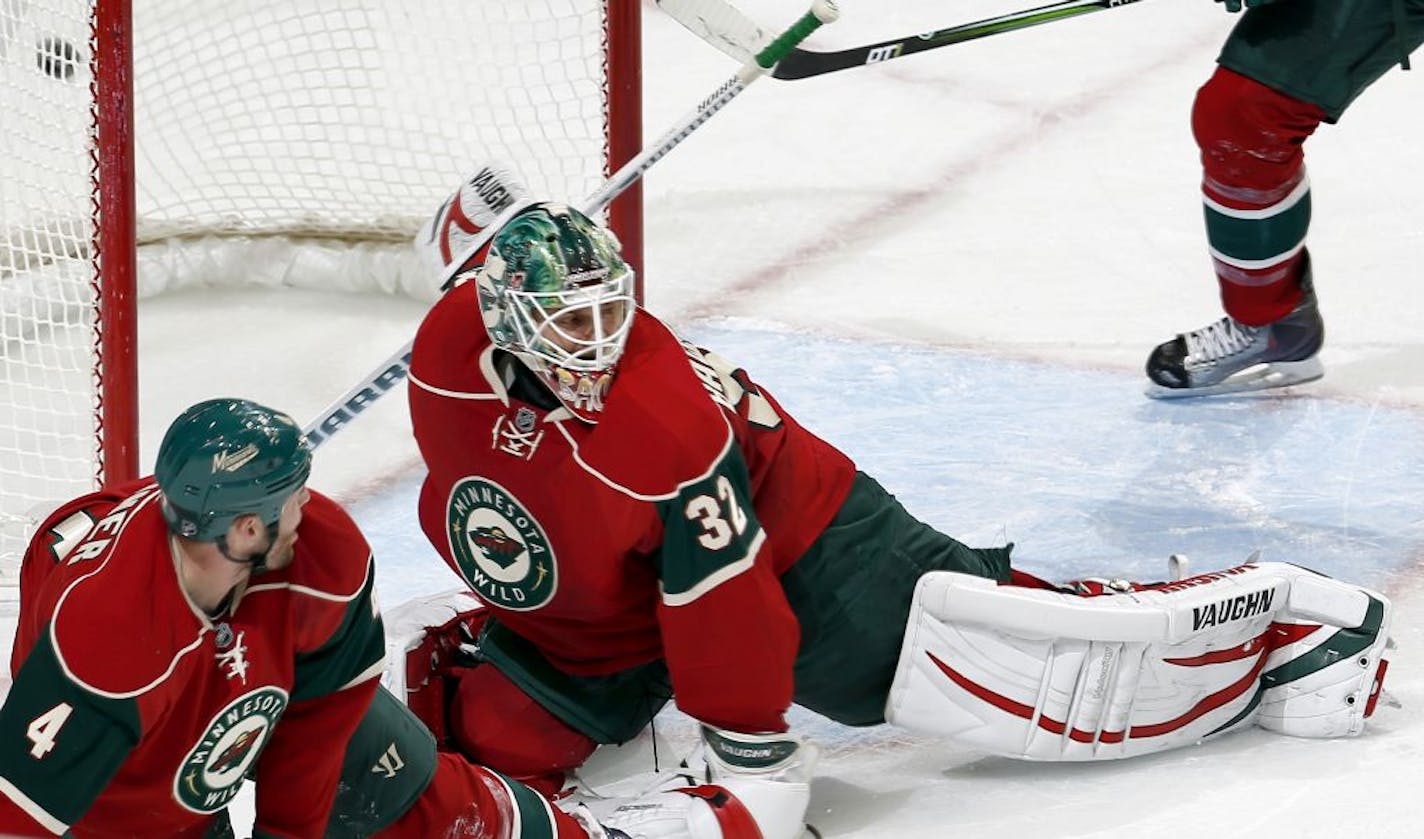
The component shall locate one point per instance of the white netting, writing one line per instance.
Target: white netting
(296, 142)
(46, 298)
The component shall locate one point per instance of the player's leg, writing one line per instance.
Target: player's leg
(496, 723)
(1048, 675)
(395, 784)
(473, 802)
(1285, 68)
(571, 714)
(1255, 193)
(493, 696)
(851, 593)
(390, 760)
(446, 647)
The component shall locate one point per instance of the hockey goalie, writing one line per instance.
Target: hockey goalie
(636, 519)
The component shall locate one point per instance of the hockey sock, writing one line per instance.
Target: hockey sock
(1255, 191)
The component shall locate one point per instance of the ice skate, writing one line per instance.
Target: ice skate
(1230, 357)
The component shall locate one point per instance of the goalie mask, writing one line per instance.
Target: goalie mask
(226, 458)
(555, 292)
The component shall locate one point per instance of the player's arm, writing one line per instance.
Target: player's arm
(60, 744)
(729, 635)
(730, 639)
(299, 770)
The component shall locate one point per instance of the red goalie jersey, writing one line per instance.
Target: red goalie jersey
(658, 532)
(133, 713)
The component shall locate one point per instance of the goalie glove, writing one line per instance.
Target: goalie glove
(426, 638)
(479, 201)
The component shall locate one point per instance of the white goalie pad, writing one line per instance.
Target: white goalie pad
(1043, 675)
(1327, 663)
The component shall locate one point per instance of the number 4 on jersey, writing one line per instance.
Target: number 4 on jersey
(45, 728)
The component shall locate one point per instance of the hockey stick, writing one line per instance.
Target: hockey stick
(725, 27)
(395, 369)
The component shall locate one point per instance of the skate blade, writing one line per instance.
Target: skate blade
(1262, 377)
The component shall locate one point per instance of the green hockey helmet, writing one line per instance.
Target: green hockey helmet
(548, 265)
(226, 458)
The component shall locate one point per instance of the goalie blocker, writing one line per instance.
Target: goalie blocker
(493, 194)
(1047, 675)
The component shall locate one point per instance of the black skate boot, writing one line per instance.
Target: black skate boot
(1230, 357)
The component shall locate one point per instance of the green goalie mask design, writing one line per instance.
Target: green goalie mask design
(226, 458)
(555, 292)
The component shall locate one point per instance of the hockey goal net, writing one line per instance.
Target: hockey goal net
(250, 133)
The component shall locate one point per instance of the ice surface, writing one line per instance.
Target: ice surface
(954, 265)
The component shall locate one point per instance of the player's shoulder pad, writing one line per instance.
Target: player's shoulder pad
(662, 429)
(102, 641)
(447, 346)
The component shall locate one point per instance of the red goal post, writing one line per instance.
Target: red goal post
(146, 144)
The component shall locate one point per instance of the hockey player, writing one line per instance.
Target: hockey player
(174, 631)
(177, 636)
(1285, 68)
(641, 520)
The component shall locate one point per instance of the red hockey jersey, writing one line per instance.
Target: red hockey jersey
(660, 531)
(135, 714)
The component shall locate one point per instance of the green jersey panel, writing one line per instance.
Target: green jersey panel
(59, 743)
(357, 646)
(710, 530)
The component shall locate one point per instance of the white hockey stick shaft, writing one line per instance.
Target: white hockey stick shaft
(727, 28)
(395, 369)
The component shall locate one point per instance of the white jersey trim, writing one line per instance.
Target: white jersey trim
(313, 592)
(33, 810)
(454, 394)
(491, 375)
(497, 389)
(718, 577)
(558, 416)
(374, 671)
(638, 496)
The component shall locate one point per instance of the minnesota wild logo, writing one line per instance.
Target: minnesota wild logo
(211, 775)
(495, 545)
(500, 547)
